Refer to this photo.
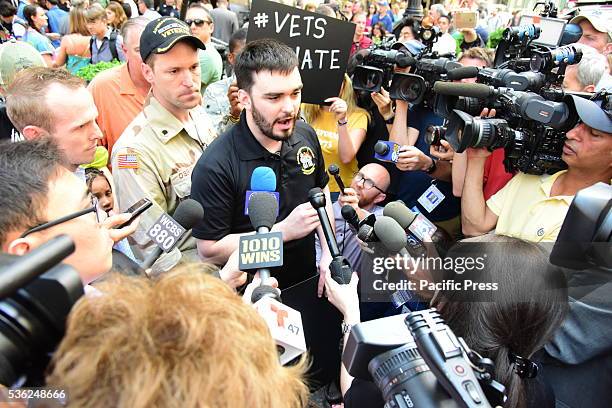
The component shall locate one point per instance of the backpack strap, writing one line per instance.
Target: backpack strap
(112, 44)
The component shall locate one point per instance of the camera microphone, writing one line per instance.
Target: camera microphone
(462, 73)
(480, 91)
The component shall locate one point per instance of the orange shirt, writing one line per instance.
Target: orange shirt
(118, 102)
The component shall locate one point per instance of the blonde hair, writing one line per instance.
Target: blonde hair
(95, 12)
(347, 93)
(120, 17)
(185, 340)
(78, 24)
(23, 97)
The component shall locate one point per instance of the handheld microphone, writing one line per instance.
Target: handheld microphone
(387, 151)
(262, 179)
(391, 235)
(350, 215)
(262, 212)
(417, 226)
(29, 266)
(334, 170)
(285, 325)
(462, 73)
(168, 231)
(340, 268)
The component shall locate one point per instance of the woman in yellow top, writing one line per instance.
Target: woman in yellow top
(341, 128)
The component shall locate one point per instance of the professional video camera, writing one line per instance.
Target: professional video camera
(376, 69)
(531, 128)
(36, 295)
(416, 360)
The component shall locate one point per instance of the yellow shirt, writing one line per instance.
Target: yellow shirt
(526, 210)
(326, 127)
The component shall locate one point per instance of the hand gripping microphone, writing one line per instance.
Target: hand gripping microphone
(340, 268)
(334, 170)
(262, 212)
(187, 215)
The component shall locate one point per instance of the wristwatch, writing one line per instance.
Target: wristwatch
(431, 168)
(346, 327)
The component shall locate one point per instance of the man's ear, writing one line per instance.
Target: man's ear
(244, 98)
(31, 132)
(147, 73)
(124, 49)
(19, 246)
(380, 198)
(589, 88)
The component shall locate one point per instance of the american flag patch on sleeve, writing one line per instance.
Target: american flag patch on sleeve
(127, 161)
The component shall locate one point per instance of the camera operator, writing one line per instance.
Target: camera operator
(491, 323)
(586, 75)
(41, 199)
(596, 30)
(420, 173)
(533, 207)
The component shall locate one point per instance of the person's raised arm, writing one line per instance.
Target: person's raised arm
(476, 217)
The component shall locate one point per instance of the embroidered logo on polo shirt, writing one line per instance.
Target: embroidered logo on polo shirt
(305, 157)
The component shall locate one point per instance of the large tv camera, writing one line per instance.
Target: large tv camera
(36, 294)
(529, 127)
(377, 65)
(416, 360)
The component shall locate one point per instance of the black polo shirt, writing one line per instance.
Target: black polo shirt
(222, 176)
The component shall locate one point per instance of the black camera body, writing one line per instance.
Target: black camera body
(415, 359)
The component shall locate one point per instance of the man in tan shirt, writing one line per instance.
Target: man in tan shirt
(156, 153)
(119, 93)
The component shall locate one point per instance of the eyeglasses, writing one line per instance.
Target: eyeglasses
(66, 218)
(367, 183)
(198, 22)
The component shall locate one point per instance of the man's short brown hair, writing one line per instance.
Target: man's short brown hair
(183, 340)
(484, 54)
(26, 97)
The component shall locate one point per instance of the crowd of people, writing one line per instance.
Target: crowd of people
(176, 119)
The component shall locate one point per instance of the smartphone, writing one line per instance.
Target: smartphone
(465, 19)
(135, 210)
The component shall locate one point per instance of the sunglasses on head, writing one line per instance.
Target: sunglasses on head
(198, 22)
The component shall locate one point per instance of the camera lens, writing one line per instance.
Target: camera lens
(404, 378)
(368, 79)
(434, 134)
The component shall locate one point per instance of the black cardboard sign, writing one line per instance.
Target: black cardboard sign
(321, 43)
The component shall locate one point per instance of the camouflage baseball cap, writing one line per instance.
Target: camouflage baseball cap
(16, 56)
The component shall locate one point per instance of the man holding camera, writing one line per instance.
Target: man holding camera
(533, 207)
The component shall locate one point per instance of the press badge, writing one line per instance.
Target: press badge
(431, 198)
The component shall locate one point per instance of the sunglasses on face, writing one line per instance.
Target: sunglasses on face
(198, 22)
(93, 209)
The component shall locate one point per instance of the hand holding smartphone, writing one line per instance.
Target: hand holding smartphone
(135, 210)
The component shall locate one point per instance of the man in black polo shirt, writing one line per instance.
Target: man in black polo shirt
(269, 134)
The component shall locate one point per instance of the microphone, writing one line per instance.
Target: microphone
(391, 235)
(350, 215)
(33, 264)
(340, 268)
(480, 91)
(262, 179)
(262, 213)
(334, 170)
(168, 231)
(417, 226)
(285, 325)
(462, 72)
(387, 151)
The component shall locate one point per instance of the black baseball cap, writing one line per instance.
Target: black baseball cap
(160, 35)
